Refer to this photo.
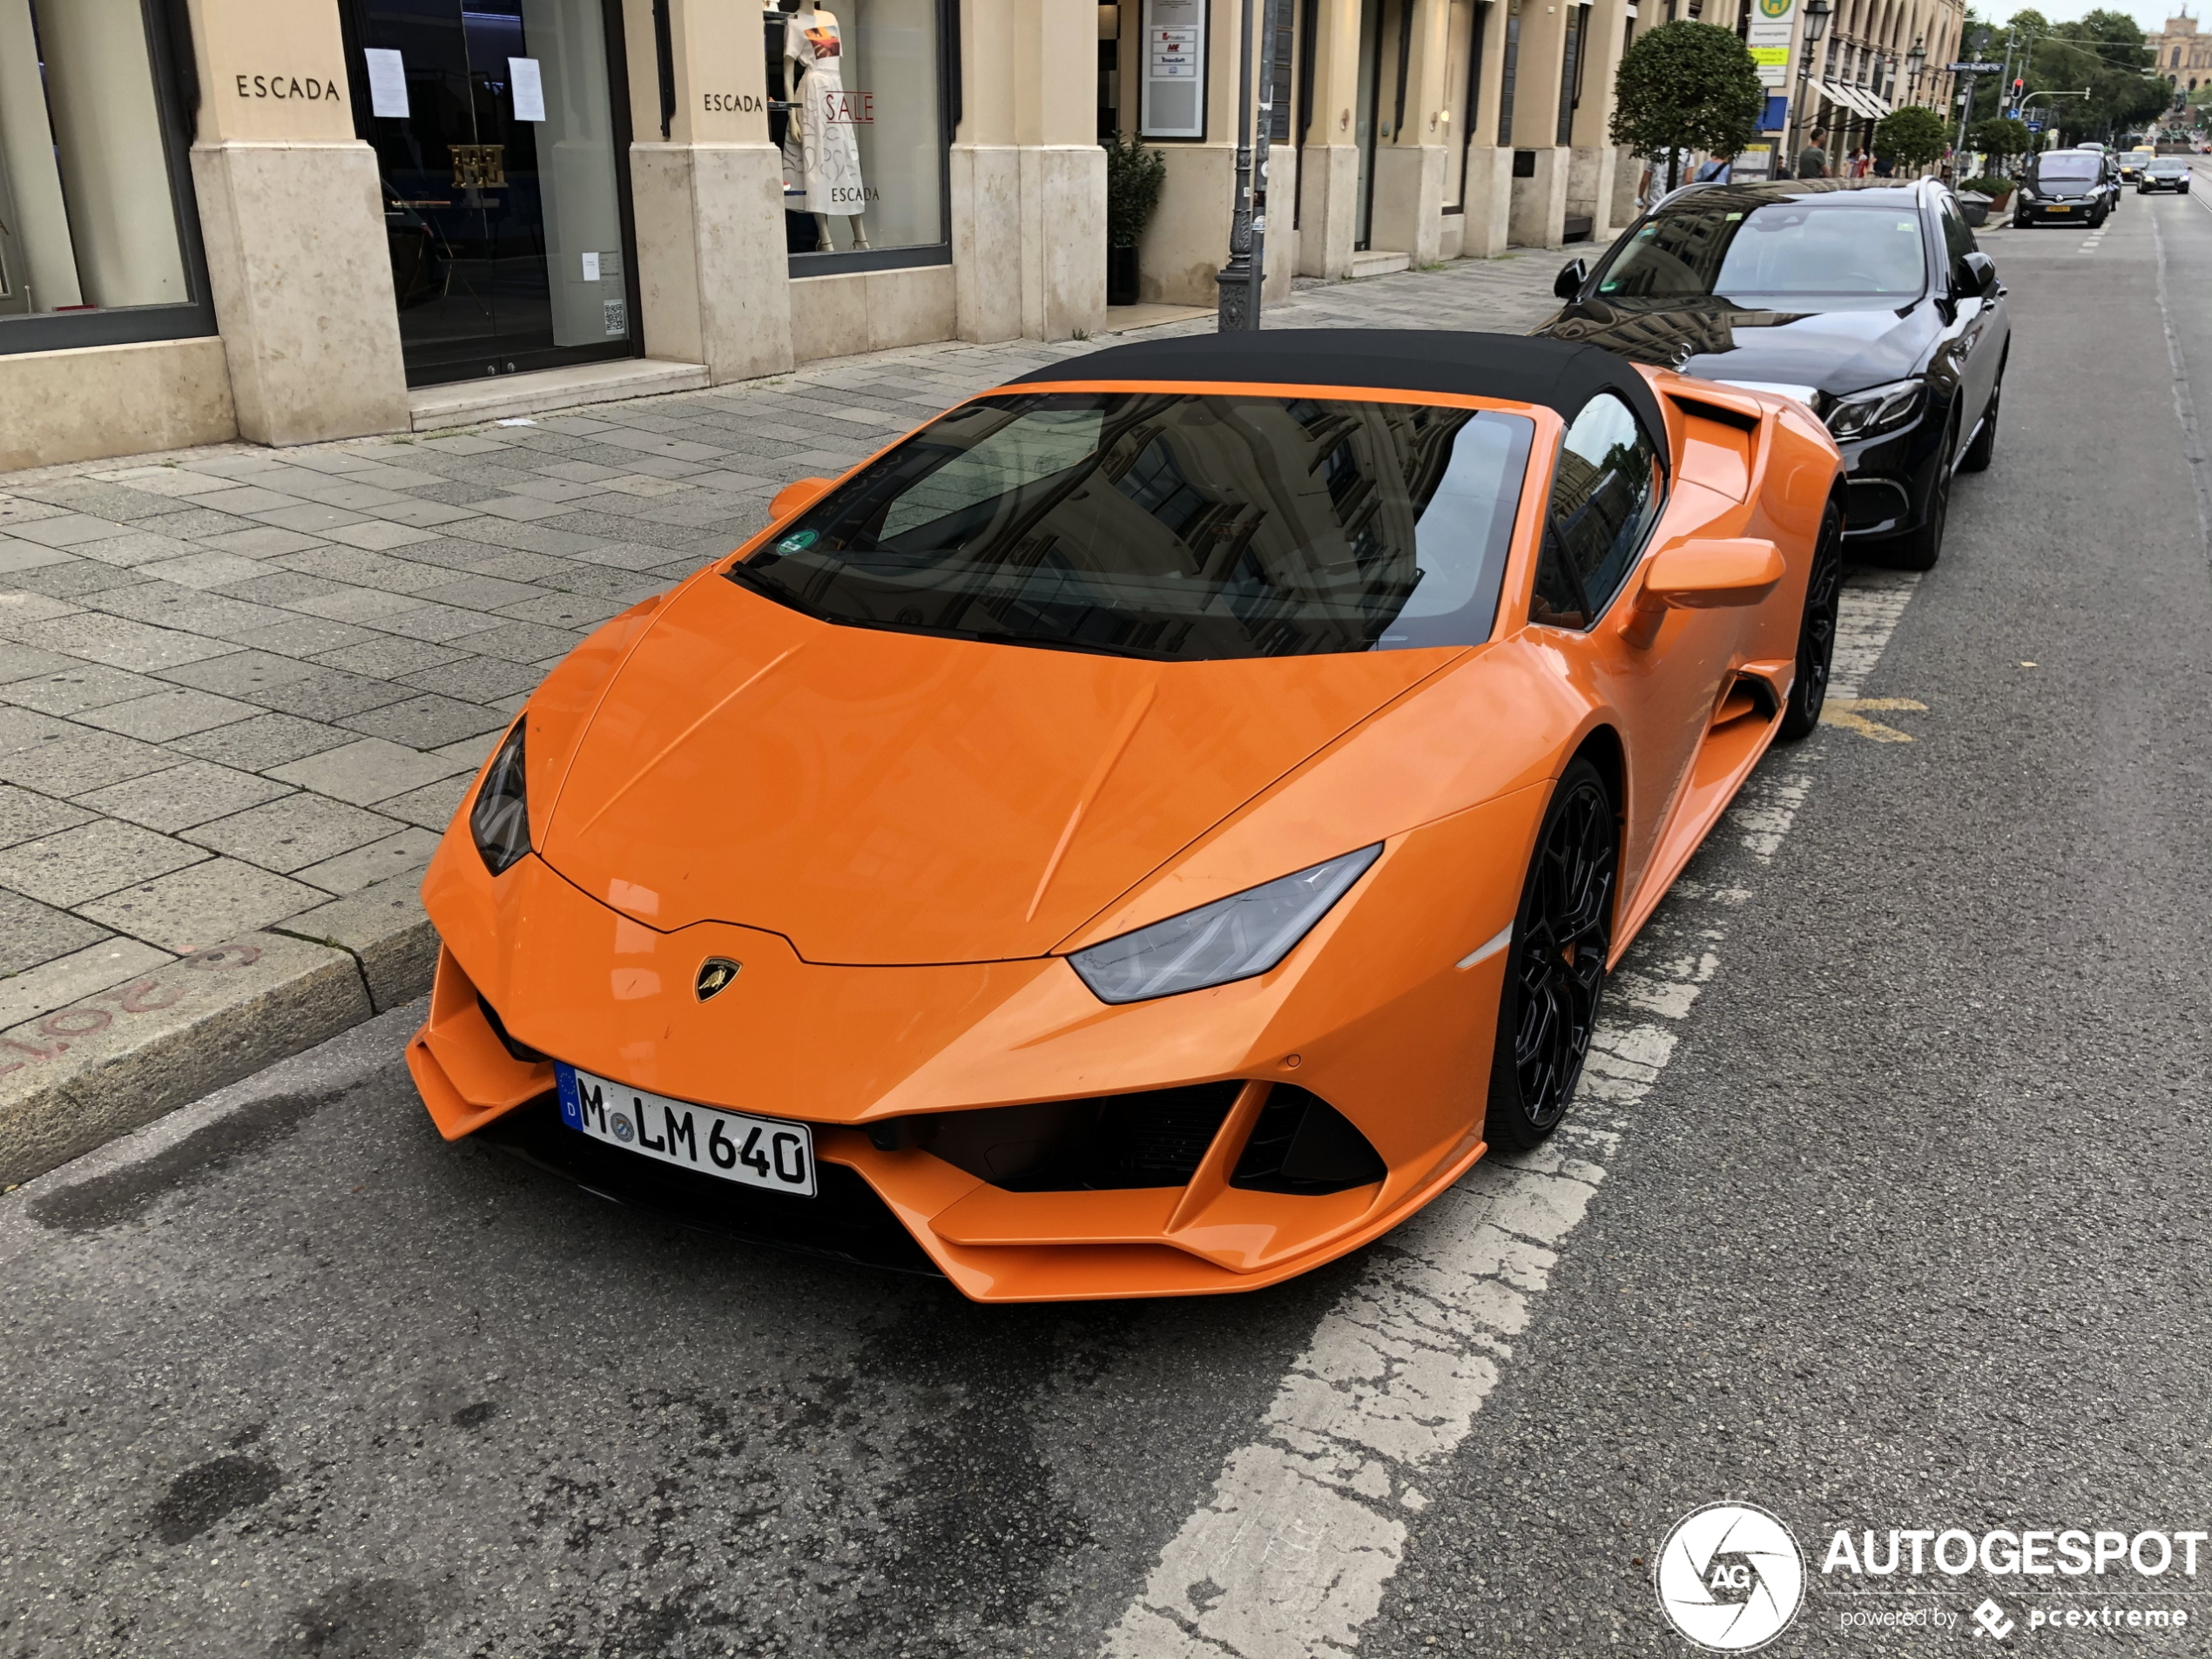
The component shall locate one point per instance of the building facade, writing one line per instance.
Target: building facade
(294, 220)
(2183, 56)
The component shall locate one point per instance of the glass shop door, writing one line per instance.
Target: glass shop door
(506, 209)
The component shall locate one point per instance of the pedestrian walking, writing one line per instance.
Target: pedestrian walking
(1813, 160)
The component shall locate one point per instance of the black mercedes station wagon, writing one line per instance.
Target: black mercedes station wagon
(1869, 302)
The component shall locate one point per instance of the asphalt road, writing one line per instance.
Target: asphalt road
(1886, 1211)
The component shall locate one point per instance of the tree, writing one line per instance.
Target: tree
(2000, 138)
(1686, 86)
(1912, 137)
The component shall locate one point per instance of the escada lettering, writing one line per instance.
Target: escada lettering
(287, 86)
(731, 103)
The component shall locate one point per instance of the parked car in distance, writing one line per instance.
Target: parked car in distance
(1868, 299)
(2066, 187)
(2131, 163)
(2164, 173)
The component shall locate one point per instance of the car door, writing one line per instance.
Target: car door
(1972, 345)
(1608, 512)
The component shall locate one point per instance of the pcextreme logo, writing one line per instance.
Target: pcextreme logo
(1730, 1575)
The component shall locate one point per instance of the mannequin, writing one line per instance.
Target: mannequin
(828, 158)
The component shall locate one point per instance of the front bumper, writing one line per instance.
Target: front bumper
(2073, 213)
(1371, 1014)
(1888, 479)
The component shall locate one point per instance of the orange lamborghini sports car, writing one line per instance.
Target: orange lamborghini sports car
(1149, 831)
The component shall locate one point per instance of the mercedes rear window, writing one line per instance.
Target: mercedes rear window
(1167, 524)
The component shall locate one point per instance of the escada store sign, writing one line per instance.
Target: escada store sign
(289, 86)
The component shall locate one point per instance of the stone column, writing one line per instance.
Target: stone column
(1028, 180)
(1539, 210)
(293, 224)
(1591, 170)
(714, 283)
(1488, 191)
(1409, 169)
(1329, 163)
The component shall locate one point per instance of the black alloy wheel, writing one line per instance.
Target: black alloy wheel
(1556, 968)
(1921, 548)
(1817, 633)
(1983, 449)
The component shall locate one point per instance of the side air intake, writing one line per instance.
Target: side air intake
(1303, 1144)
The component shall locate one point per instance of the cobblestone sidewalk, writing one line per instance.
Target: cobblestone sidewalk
(237, 686)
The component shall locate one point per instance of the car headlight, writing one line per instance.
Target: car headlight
(1879, 408)
(1230, 938)
(500, 821)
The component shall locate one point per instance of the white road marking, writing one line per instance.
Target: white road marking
(1294, 1549)
(2184, 405)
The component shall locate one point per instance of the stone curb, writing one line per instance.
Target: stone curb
(80, 1075)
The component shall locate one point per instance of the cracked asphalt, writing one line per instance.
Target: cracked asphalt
(1910, 1232)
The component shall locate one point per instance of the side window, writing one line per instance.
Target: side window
(1605, 496)
(1957, 239)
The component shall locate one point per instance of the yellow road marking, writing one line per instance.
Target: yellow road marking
(1849, 712)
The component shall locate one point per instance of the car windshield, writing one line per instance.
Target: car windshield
(2069, 170)
(1728, 244)
(1170, 524)
(2169, 168)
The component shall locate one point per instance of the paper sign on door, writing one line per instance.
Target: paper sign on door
(387, 83)
(530, 91)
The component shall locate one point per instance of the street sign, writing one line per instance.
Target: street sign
(1973, 69)
(2035, 126)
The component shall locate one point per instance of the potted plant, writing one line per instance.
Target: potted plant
(1134, 179)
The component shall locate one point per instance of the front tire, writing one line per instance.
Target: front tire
(1920, 549)
(1983, 449)
(1556, 967)
(1817, 633)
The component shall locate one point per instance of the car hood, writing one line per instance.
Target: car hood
(890, 799)
(1834, 352)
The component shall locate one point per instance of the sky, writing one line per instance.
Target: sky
(2149, 15)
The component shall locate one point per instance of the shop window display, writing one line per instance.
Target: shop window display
(855, 110)
(88, 210)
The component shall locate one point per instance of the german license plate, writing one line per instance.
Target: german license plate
(2059, 210)
(754, 1151)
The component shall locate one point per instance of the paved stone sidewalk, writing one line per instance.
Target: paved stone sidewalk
(243, 689)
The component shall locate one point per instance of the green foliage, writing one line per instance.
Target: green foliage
(2000, 138)
(1687, 87)
(2103, 51)
(1996, 189)
(1912, 137)
(1135, 177)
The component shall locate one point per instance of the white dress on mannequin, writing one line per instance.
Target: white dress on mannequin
(829, 155)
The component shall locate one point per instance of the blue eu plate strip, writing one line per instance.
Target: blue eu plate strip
(565, 1080)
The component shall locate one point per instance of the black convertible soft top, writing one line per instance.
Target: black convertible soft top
(1561, 374)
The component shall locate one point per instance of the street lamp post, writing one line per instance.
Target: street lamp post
(1918, 57)
(1237, 306)
(1816, 25)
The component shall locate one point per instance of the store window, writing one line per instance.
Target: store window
(857, 105)
(95, 243)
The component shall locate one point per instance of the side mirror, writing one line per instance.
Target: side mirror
(1568, 283)
(1710, 575)
(1979, 274)
(796, 497)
